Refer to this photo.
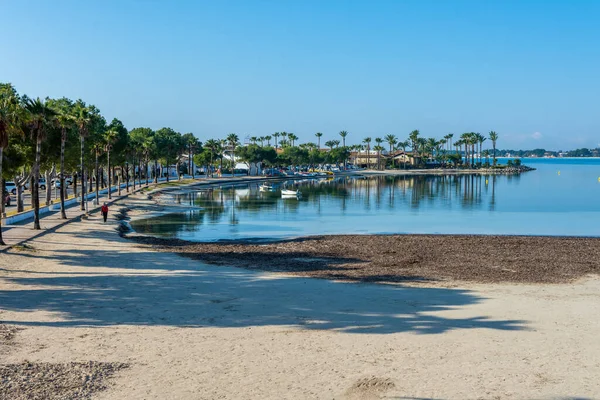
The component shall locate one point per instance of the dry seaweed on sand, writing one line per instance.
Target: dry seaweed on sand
(52, 381)
(401, 258)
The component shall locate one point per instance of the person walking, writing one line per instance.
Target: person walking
(104, 211)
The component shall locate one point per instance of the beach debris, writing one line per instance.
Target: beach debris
(8, 333)
(53, 381)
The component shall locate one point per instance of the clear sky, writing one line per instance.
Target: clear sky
(528, 69)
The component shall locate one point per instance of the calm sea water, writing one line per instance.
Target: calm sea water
(562, 197)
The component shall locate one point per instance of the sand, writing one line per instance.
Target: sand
(190, 330)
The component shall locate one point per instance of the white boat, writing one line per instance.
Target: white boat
(266, 188)
(287, 192)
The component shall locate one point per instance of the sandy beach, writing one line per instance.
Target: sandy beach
(157, 325)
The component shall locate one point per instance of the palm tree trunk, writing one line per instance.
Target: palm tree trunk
(83, 192)
(146, 165)
(108, 171)
(155, 168)
(97, 180)
(63, 214)
(36, 181)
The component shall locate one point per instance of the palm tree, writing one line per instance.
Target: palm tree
(378, 141)
(262, 141)
(10, 122)
(318, 135)
(213, 146)
(414, 141)
(343, 134)
(82, 120)
(391, 141)
(336, 143)
(379, 148)
(292, 138)
(465, 139)
(39, 116)
(253, 139)
(493, 137)
(367, 142)
(233, 141)
(65, 122)
(268, 139)
(109, 137)
(276, 135)
(480, 139)
(97, 149)
(431, 145)
(330, 144)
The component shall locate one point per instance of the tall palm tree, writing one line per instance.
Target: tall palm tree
(213, 146)
(262, 141)
(292, 138)
(378, 148)
(97, 150)
(493, 137)
(109, 138)
(319, 135)
(253, 139)
(391, 141)
(82, 120)
(379, 141)
(40, 115)
(431, 145)
(367, 142)
(268, 139)
(465, 140)
(414, 142)
(10, 123)
(65, 122)
(330, 144)
(480, 139)
(233, 140)
(276, 135)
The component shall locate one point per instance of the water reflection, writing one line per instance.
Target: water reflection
(350, 203)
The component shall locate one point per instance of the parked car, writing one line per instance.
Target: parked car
(6, 198)
(42, 183)
(11, 187)
(56, 182)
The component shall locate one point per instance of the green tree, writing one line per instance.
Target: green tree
(66, 122)
(39, 117)
(10, 124)
(82, 120)
(109, 138)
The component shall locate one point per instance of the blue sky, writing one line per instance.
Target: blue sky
(527, 69)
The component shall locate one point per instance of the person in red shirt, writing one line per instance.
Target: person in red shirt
(104, 210)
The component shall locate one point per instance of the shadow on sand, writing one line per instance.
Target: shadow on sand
(162, 289)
